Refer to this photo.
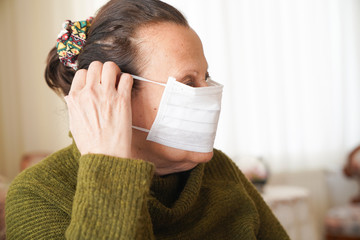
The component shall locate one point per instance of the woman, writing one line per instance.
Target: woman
(141, 165)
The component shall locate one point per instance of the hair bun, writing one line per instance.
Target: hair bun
(71, 40)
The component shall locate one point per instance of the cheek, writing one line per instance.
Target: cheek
(153, 103)
(145, 105)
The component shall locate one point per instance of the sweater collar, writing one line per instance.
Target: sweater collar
(162, 213)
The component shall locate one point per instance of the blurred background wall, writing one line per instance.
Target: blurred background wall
(291, 76)
(290, 70)
(32, 117)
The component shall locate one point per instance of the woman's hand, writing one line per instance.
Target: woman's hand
(100, 114)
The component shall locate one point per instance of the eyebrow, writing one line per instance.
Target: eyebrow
(193, 73)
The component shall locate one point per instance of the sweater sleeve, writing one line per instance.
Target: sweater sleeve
(110, 202)
(110, 199)
(29, 216)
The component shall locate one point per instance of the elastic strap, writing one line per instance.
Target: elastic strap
(141, 129)
(147, 80)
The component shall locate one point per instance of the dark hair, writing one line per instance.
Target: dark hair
(111, 38)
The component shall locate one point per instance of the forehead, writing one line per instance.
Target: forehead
(171, 46)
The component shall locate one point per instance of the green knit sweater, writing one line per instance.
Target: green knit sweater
(94, 196)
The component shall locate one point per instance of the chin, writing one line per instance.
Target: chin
(198, 157)
(181, 160)
(167, 159)
(178, 155)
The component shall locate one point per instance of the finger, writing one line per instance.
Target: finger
(93, 76)
(70, 108)
(66, 99)
(125, 85)
(110, 74)
(79, 80)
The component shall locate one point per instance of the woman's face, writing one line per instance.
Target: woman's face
(166, 49)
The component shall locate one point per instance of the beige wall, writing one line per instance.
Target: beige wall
(32, 117)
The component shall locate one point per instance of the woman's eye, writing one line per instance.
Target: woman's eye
(207, 76)
(189, 82)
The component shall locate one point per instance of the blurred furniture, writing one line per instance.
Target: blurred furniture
(320, 189)
(27, 160)
(255, 169)
(4, 185)
(291, 206)
(30, 159)
(343, 223)
(352, 169)
(329, 237)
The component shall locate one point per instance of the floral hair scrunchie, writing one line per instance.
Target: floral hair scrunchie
(70, 41)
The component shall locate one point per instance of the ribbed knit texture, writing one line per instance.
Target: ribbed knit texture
(94, 196)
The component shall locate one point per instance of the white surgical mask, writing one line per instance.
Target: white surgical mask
(188, 117)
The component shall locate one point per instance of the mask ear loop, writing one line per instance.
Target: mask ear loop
(141, 129)
(145, 80)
